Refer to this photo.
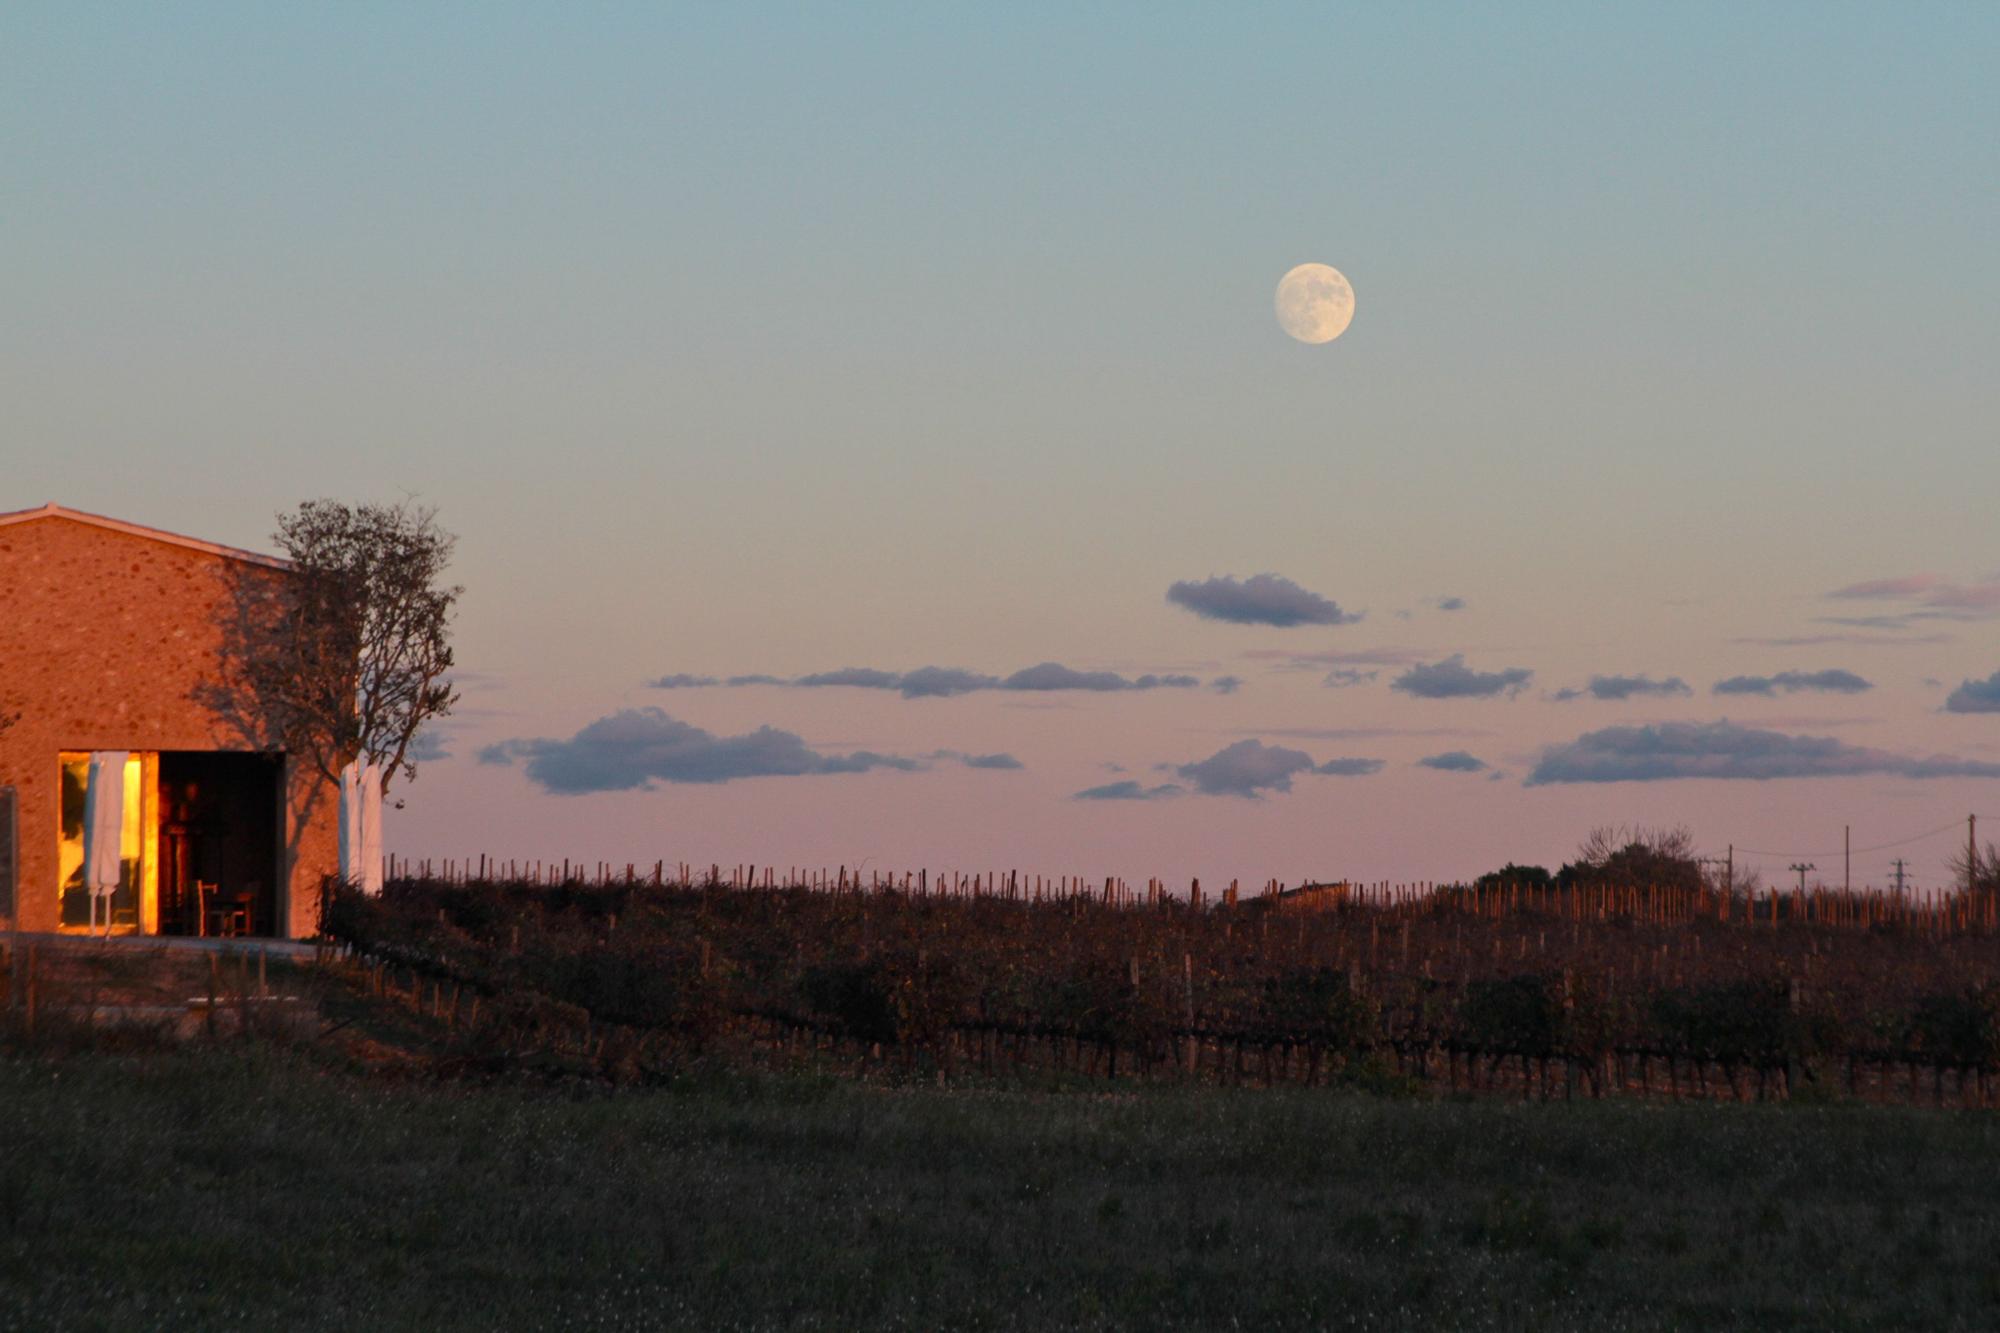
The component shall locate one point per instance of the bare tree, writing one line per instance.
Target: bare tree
(1744, 882)
(1977, 870)
(1637, 855)
(351, 648)
(1607, 841)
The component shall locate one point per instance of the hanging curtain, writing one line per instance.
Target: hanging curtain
(361, 825)
(350, 823)
(104, 831)
(371, 828)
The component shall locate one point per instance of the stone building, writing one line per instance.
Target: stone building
(116, 637)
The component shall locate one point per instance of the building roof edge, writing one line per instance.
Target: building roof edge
(54, 510)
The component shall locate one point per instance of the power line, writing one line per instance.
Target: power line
(1878, 847)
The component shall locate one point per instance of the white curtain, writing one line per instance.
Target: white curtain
(104, 830)
(371, 828)
(350, 822)
(361, 825)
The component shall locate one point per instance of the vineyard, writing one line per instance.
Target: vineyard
(1531, 991)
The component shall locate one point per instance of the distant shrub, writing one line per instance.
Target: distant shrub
(1962, 1028)
(1757, 1022)
(891, 999)
(1518, 1015)
(1319, 1006)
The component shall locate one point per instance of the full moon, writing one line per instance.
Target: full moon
(1315, 303)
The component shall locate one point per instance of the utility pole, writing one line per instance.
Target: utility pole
(1802, 868)
(1971, 852)
(1847, 858)
(1898, 863)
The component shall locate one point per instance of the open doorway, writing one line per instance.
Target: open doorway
(219, 840)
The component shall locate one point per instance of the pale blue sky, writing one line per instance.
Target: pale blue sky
(744, 339)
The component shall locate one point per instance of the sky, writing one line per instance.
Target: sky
(762, 341)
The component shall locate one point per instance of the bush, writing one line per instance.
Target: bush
(1319, 1007)
(1747, 1022)
(891, 999)
(1518, 1016)
(1959, 1029)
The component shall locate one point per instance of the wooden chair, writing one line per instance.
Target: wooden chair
(204, 892)
(251, 898)
(232, 915)
(226, 913)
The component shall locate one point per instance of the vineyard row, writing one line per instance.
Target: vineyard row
(1517, 997)
(1935, 911)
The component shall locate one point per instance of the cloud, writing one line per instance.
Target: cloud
(1288, 660)
(1939, 599)
(933, 682)
(1910, 585)
(1261, 599)
(1831, 681)
(1982, 599)
(1341, 678)
(1812, 720)
(1247, 768)
(1357, 733)
(983, 760)
(1451, 603)
(1055, 676)
(1624, 687)
(1454, 761)
(1226, 684)
(1127, 791)
(428, 746)
(1725, 750)
(636, 747)
(1975, 696)
(1825, 640)
(938, 682)
(1452, 679)
(1892, 623)
(861, 678)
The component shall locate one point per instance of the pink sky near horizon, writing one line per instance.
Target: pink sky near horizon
(1405, 823)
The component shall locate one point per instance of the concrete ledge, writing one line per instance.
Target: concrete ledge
(296, 950)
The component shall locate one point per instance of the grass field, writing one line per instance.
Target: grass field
(249, 1185)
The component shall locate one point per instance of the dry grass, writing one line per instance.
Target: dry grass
(337, 1178)
(245, 1185)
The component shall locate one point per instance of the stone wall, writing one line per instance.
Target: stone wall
(111, 640)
